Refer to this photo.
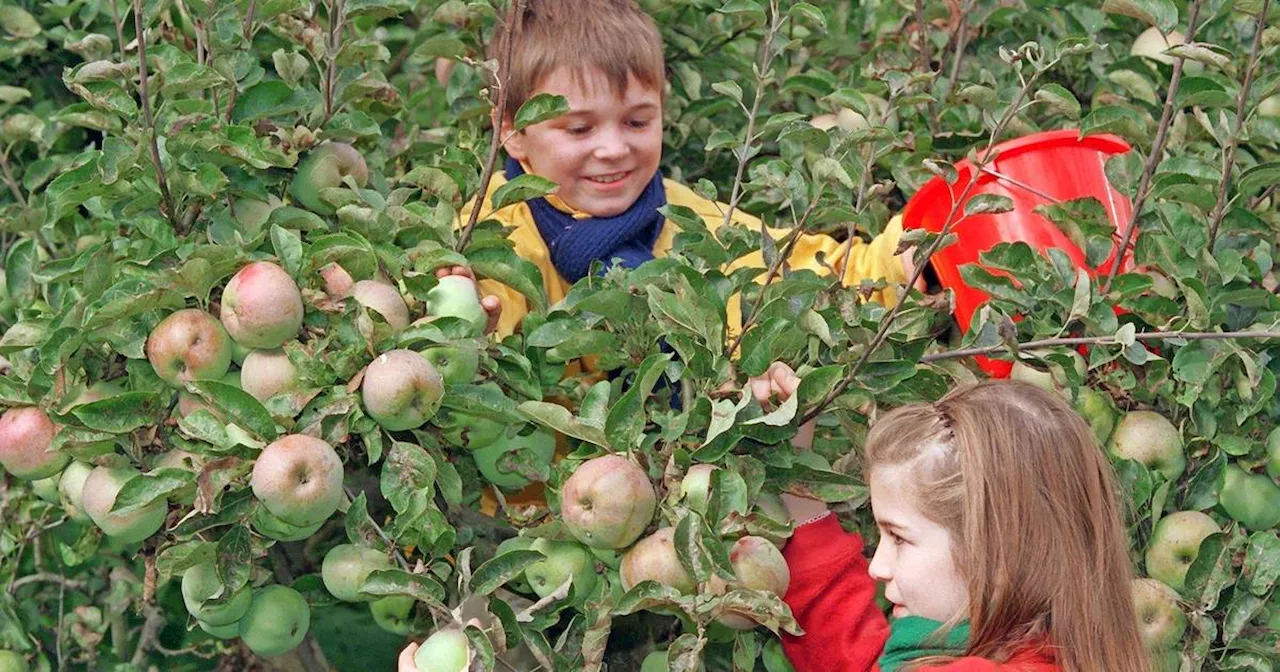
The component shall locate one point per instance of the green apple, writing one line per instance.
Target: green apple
(457, 364)
(1147, 437)
(262, 306)
(466, 431)
(26, 434)
(401, 390)
(200, 584)
(1174, 544)
(189, 345)
(11, 661)
(1161, 621)
(345, 568)
(1097, 410)
(654, 559)
(99, 495)
(324, 167)
(607, 502)
(695, 487)
(656, 661)
(1152, 44)
(273, 528)
(394, 613)
(1253, 500)
(1270, 106)
(517, 583)
(1054, 379)
(252, 214)
(456, 296)
(565, 560)
(276, 622)
(542, 444)
(1273, 453)
(47, 488)
(228, 631)
(446, 650)
(298, 478)
(71, 489)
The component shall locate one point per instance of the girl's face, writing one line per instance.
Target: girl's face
(914, 558)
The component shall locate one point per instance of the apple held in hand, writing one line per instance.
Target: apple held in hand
(26, 434)
(401, 390)
(607, 502)
(298, 478)
(262, 306)
(189, 345)
(456, 296)
(446, 650)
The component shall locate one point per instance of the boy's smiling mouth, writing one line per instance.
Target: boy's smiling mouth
(609, 179)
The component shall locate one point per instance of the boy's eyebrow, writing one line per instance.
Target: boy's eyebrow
(588, 112)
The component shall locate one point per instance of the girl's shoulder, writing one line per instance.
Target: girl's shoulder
(1031, 661)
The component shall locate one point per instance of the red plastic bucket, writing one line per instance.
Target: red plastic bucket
(1034, 170)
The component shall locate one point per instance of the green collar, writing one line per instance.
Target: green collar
(912, 637)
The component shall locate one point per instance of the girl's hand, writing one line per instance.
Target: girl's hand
(781, 381)
(405, 662)
(492, 305)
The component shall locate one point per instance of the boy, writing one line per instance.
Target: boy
(605, 57)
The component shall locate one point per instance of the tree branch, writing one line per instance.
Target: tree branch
(1157, 151)
(925, 61)
(1228, 160)
(495, 142)
(766, 57)
(335, 40)
(150, 636)
(49, 577)
(1098, 340)
(144, 94)
(9, 181)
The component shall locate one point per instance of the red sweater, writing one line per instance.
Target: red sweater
(834, 600)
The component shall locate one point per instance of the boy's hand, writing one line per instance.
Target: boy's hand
(909, 268)
(492, 305)
(405, 662)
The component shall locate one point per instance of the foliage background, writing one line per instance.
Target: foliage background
(98, 247)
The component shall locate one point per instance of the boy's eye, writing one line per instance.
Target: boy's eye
(578, 130)
(639, 123)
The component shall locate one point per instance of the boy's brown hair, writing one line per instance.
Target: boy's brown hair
(615, 37)
(1035, 514)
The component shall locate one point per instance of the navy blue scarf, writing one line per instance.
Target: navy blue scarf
(575, 243)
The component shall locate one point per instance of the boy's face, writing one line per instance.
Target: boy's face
(914, 558)
(604, 151)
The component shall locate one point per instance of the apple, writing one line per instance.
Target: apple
(384, 300)
(1152, 44)
(11, 661)
(1160, 619)
(71, 489)
(262, 306)
(179, 459)
(1253, 500)
(253, 213)
(1147, 437)
(401, 390)
(466, 431)
(200, 583)
(393, 613)
(1097, 410)
(99, 495)
(273, 528)
(654, 559)
(1161, 285)
(607, 502)
(446, 650)
(1052, 380)
(298, 478)
(457, 364)
(345, 568)
(543, 445)
(1270, 106)
(564, 559)
(276, 622)
(695, 487)
(47, 488)
(189, 345)
(26, 433)
(456, 296)
(1273, 453)
(228, 631)
(1174, 543)
(656, 661)
(337, 281)
(758, 565)
(324, 167)
(266, 373)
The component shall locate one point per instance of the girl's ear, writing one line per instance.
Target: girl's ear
(515, 141)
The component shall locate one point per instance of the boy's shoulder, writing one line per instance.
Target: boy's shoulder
(711, 212)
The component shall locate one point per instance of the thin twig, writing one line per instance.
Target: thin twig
(115, 18)
(48, 577)
(962, 39)
(495, 142)
(887, 322)
(766, 57)
(9, 181)
(1099, 340)
(925, 61)
(248, 19)
(1228, 160)
(404, 564)
(144, 94)
(150, 636)
(1157, 151)
(335, 39)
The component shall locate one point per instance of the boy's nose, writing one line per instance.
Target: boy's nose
(612, 145)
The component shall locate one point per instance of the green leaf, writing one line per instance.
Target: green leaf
(1162, 14)
(728, 88)
(271, 98)
(540, 108)
(1059, 100)
(1258, 177)
(143, 489)
(240, 407)
(1116, 119)
(626, 421)
(988, 204)
(288, 247)
(495, 573)
(558, 418)
(503, 264)
(399, 582)
(808, 12)
(1262, 562)
(122, 413)
(521, 189)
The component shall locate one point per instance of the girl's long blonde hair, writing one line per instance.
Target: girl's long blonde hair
(1032, 504)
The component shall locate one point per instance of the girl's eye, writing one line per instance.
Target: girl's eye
(897, 541)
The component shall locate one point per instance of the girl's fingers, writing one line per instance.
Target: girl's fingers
(493, 308)
(761, 389)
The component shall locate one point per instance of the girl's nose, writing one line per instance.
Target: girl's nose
(880, 568)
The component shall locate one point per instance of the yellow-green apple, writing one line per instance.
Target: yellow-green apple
(607, 502)
(262, 306)
(276, 622)
(47, 488)
(228, 631)
(758, 565)
(252, 213)
(26, 435)
(1174, 544)
(189, 345)
(11, 661)
(1253, 500)
(695, 487)
(99, 495)
(324, 167)
(1147, 437)
(1161, 621)
(565, 560)
(273, 528)
(1097, 410)
(456, 296)
(1053, 378)
(542, 444)
(654, 559)
(394, 613)
(71, 489)
(401, 390)
(457, 364)
(1152, 43)
(345, 568)
(445, 650)
(466, 431)
(384, 300)
(1273, 453)
(266, 373)
(201, 586)
(298, 478)
(1270, 106)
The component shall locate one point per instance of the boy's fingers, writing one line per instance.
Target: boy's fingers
(760, 389)
(783, 379)
(464, 271)
(405, 662)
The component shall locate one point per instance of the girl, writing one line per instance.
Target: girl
(1001, 544)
